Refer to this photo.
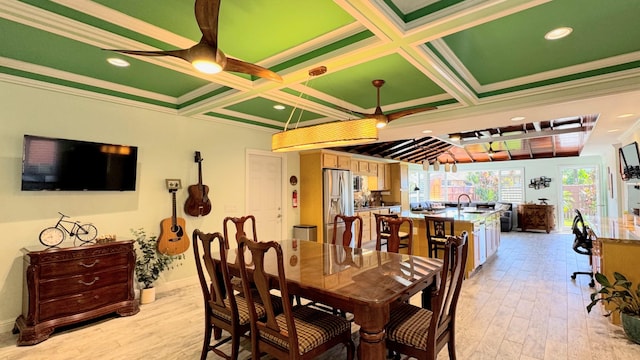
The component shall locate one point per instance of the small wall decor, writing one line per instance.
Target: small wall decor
(539, 183)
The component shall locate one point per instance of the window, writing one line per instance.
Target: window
(481, 185)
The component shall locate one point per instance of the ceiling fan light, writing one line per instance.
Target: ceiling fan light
(381, 123)
(206, 66)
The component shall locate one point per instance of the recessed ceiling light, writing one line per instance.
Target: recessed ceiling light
(558, 33)
(118, 62)
(427, 131)
(517, 118)
(625, 116)
(613, 130)
(278, 107)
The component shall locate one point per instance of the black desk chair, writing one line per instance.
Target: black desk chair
(582, 244)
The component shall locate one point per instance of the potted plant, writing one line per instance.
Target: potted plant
(624, 299)
(149, 263)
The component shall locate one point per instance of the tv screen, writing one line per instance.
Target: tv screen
(629, 161)
(62, 164)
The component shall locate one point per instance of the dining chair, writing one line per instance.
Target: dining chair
(422, 333)
(239, 223)
(300, 332)
(222, 309)
(382, 230)
(347, 235)
(396, 239)
(438, 229)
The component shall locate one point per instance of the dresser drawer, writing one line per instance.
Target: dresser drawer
(83, 265)
(82, 302)
(75, 284)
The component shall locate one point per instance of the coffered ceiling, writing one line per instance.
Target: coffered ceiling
(481, 63)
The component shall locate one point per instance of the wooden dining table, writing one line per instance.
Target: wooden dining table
(363, 282)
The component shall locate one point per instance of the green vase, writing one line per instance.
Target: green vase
(631, 326)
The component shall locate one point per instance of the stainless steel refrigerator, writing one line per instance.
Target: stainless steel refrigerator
(337, 199)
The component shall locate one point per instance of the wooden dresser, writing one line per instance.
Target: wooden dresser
(536, 217)
(64, 286)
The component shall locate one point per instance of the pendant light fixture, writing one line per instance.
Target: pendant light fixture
(436, 165)
(337, 133)
(425, 165)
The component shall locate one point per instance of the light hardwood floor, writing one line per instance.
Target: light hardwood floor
(520, 305)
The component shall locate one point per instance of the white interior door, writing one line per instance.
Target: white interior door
(264, 194)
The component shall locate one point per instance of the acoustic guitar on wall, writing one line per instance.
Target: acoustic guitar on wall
(198, 202)
(173, 238)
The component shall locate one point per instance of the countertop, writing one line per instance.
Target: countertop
(369, 208)
(464, 215)
(626, 229)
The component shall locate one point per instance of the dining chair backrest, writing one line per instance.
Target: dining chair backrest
(395, 236)
(239, 223)
(221, 308)
(446, 299)
(260, 279)
(438, 229)
(347, 235)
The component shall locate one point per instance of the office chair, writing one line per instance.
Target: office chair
(582, 244)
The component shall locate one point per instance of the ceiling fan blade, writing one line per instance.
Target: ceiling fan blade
(236, 65)
(207, 17)
(182, 54)
(352, 112)
(399, 114)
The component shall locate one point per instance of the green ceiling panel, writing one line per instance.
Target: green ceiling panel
(263, 108)
(421, 12)
(403, 82)
(95, 22)
(61, 53)
(80, 86)
(514, 46)
(245, 29)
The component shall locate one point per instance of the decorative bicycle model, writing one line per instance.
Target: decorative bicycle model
(55, 235)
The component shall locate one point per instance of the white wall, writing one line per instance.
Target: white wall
(166, 145)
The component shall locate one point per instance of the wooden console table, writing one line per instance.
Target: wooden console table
(65, 286)
(536, 217)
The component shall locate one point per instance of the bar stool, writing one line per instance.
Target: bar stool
(382, 230)
(438, 230)
(395, 237)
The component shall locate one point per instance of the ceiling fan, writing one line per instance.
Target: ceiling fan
(205, 56)
(383, 119)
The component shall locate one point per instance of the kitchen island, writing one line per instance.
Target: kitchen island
(483, 227)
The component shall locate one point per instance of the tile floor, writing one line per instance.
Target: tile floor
(520, 305)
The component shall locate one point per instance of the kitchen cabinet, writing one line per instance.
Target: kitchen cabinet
(70, 285)
(354, 166)
(366, 225)
(363, 167)
(373, 169)
(399, 185)
(335, 161)
(383, 176)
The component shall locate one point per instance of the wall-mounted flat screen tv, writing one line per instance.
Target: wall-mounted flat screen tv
(629, 161)
(73, 165)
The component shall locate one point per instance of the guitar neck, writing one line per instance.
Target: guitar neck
(173, 214)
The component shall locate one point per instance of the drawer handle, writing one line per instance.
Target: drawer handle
(89, 283)
(90, 265)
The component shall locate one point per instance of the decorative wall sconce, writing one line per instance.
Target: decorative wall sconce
(539, 183)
